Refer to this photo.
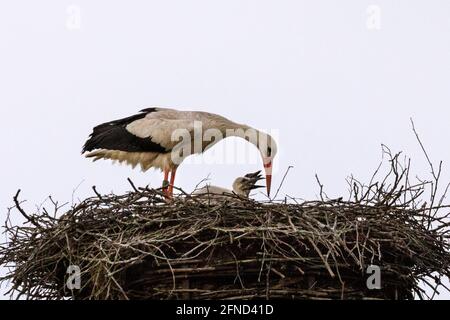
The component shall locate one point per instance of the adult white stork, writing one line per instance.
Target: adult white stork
(148, 139)
(242, 186)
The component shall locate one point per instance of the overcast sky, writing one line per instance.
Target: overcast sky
(335, 79)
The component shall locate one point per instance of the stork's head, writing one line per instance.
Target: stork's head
(268, 148)
(244, 185)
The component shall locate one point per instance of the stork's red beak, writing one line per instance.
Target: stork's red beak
(268, 169)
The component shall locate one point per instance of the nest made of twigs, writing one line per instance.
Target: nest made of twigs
(137, 246)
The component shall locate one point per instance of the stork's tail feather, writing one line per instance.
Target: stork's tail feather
(145, 160)
(97, 155)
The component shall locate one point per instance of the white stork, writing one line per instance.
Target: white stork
(242, 186)
(147, 139)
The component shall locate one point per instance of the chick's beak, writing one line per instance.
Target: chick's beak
(268, 169)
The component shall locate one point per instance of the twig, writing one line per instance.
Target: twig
(282, 181)
(132, 185)
(18, 207)
(96, 192)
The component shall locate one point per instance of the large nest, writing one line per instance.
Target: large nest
(137, 246)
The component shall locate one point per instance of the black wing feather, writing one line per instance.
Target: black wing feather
(113, 135)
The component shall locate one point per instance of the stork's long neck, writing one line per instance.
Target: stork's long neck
(244, 131)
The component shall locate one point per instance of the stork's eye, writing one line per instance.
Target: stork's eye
(269, 151)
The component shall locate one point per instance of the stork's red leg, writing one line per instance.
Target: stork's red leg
(172, 181)
(165, 185)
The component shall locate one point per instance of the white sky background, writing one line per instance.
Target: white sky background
(313, 70)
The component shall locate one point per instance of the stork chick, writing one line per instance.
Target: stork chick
(242, 186)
